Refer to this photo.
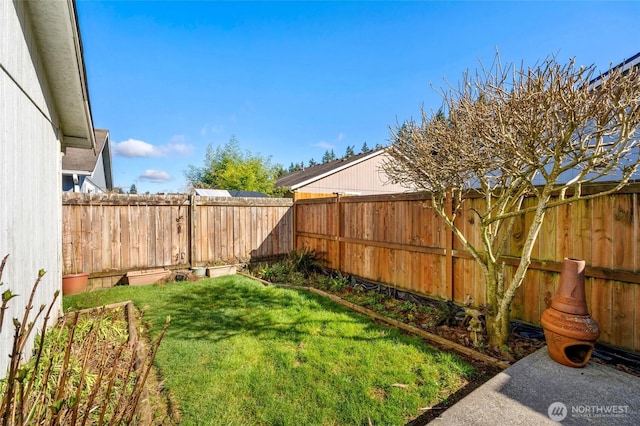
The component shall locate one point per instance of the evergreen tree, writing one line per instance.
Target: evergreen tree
(365, 148)
(328, 156)
(349, 152)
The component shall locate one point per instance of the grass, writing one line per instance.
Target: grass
(237, 352)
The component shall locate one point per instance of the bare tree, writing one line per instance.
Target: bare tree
(513, 132)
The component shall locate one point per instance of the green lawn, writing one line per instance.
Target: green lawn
(239, 353)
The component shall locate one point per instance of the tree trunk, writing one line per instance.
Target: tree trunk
(498, 329)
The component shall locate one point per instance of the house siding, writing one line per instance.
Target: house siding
(365, 178)
(98, 176)
(30, 176)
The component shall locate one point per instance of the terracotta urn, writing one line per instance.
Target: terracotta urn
(569, 330)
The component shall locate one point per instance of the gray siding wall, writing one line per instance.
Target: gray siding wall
(365, 178)
(30, 173)
(98, 176)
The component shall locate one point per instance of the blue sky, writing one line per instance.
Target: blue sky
(292, 79)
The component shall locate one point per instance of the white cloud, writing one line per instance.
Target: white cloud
(155, 176)
(178, 145)
(133, 148)
(328, 145)
(325, 145)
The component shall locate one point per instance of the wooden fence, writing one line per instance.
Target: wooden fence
(110, 234)
(400, 241)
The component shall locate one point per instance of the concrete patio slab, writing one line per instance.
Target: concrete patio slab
(539, 391)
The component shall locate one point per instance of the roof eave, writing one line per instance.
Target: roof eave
(55, 24)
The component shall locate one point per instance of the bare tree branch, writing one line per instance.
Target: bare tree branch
(513, 133)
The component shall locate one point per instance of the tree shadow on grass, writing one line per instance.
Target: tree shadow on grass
(225, 308)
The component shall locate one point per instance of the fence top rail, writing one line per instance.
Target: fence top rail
(632, 187)
(82, 199)
(244, 201)
(409, 196)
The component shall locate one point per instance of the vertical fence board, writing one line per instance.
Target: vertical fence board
(547, 237)
(85, 243)
(623, 232)
(622, 314)
(602, 233)
(564, 237)
(636, 318)
(636, 231)
(581, 232)
(601, 295)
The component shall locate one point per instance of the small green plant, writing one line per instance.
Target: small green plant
(449, 312)
(338, 283)
(295, 269)
(408, 306)
(305, 261)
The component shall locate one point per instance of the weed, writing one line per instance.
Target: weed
(448, 312)
(338, 283)
(295, 269)
(408, 306)
(305, 261)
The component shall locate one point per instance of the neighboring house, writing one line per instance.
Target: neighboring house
(44, 108)
(631, 157)
(88, 170)
(230, 193)
(360, 174)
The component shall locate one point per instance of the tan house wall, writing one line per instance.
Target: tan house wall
(364, 178)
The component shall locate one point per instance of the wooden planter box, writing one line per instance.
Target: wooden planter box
(220, 271)
(147, 276)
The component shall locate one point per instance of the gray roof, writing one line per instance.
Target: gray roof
(84, 160)
(311, 174)
(625, 65)
(204, 192)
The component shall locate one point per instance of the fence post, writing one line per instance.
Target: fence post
(339, 230)
(193, 219)
(449, 247)
(294, 225)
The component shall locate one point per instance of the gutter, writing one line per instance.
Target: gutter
(77, 39)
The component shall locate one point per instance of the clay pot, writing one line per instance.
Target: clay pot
(74, 284)
(569, 330)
